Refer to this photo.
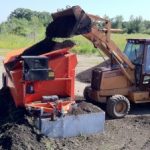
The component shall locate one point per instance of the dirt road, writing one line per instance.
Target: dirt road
(130, 133)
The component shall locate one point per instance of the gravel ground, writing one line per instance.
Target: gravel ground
(84, 63)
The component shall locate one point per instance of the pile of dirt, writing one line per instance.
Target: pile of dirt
(20, 136)
(83, 107)
(17, 131)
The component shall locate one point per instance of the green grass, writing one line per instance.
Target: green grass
(83, 46)
(120, 39)
(10, 42)
(14, 41)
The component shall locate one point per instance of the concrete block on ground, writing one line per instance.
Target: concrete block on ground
(73, 125)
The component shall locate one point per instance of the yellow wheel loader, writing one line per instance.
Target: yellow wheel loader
(127, 78)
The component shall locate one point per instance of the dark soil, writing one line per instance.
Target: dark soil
(121, 134)
(16, 129)
(83, 107)
(46, 46)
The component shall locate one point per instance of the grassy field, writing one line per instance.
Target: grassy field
(120, 39)
(83, 46)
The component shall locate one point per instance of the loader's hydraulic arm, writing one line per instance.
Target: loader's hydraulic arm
(74, 21)
(101, 40)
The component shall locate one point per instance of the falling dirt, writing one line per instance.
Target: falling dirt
(40, 48)
(46, 46)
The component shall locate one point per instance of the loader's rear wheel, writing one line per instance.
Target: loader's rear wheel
(86, 93)
(118, 106)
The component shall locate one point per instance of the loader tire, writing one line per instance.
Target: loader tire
(86, 93)
(117, 106)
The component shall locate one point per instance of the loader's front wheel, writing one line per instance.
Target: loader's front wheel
(86, 93)
(118, 106)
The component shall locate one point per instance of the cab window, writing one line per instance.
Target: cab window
(147, 61)
(134, 52)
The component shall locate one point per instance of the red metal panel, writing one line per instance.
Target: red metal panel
(63, 64)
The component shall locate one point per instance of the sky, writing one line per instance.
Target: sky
(111, 8)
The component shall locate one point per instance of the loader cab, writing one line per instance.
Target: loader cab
(138, 51)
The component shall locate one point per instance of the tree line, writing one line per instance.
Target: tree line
(26, 22)
(134, 25)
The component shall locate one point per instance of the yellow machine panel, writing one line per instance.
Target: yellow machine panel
(139, 96)
(113, 80)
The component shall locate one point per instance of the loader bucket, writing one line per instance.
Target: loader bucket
(69, 22)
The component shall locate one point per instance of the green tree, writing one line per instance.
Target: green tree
(18, 26)
(44, 17)
(26, 22)
(3, 28)
(22, 13)
(36, 27)
(135, 25)
(117, 22)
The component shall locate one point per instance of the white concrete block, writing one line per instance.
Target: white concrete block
(73, 125)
